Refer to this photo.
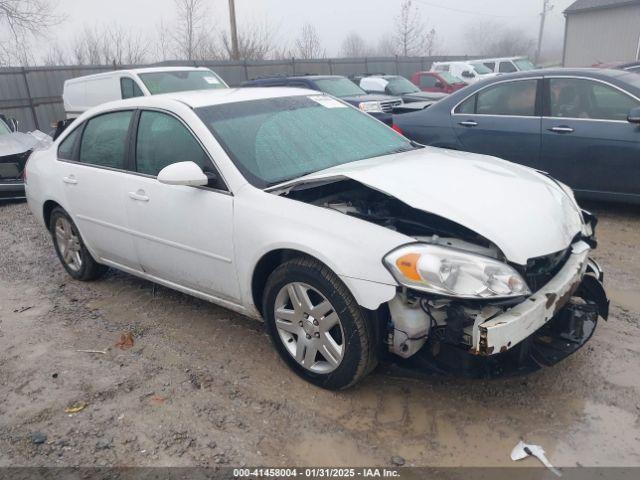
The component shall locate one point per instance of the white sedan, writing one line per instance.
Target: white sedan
(350, 241)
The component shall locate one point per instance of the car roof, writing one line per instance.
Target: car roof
(498, 59)
(205, 98)
(600, 73)
(136, 71)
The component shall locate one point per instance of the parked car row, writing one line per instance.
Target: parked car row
(582, 126)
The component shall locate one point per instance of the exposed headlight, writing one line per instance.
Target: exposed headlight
(370, 107)
(454, 273)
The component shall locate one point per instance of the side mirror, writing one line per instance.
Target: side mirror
(183, 173)
(467, 74)
(634, 115)
(13, 124)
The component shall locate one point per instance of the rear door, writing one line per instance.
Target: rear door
(503, 120)
(183, 234)
(586, 139)
(93, 166)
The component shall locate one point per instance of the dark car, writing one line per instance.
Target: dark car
(398, 86)
(443, 82)
(580, 125)
(378, 106)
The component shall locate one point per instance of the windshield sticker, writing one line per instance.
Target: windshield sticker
(327, 102)
(212, 80)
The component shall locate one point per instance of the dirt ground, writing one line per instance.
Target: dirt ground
(203, 386)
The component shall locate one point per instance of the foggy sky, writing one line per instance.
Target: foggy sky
(334, 19)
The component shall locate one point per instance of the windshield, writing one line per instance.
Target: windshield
(4, 128)
(450, 78)
(401, 86)
(278, 139)
(339, 87)
(524, 64)
(181, 80)
(480, 68)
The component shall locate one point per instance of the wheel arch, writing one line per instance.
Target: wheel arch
(47, 208)
(368, 294)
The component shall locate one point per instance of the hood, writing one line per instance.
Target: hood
(521, 211)
(18, 142)
(370, 97)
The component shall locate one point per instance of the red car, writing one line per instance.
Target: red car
(437, 82)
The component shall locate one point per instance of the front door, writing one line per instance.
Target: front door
(586, 139)
(183, 234)
(502, 120)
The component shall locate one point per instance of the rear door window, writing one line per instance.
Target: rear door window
(490, 65)
(104, 141)
(511, 98)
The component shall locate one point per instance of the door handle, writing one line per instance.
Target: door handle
(561, 129)
(71, 180)
(469, 123)
(139, 196)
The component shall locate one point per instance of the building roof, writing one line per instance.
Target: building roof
(583, 5)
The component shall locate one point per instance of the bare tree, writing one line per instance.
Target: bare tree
(386, 46)
(55, 56)
(354, 46)
(308, 43)
(411, 36)
(503, 42)
(162, 45)
(20, 22)
(86, 48)
(256, 42)
(122, 47)
(189, 34)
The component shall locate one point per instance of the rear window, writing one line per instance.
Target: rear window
(279, 139)
(181, 81)
(339, 87)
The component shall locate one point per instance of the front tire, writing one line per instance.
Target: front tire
(71, 250)
(317, 326)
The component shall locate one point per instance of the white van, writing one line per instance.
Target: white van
(507, 64)
(83, 93)
(470, 72)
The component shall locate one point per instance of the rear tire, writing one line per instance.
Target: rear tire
(71, 250)
(317, 326)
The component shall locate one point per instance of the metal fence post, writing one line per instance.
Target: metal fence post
(31, 105)
(397, 66)
(246, 70)
(293, 65)
(330, 67)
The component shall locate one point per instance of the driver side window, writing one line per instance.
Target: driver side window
(162, 140)
(581, 98)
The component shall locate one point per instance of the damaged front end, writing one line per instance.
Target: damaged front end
(484, 339)
(462, 307)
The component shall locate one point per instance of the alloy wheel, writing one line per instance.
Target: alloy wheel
(68, 242)
(309, 327)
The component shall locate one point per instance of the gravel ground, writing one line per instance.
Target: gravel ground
(202, 386)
